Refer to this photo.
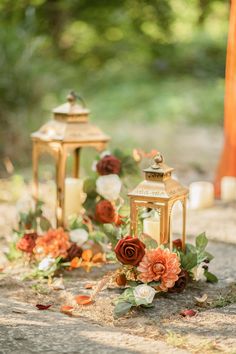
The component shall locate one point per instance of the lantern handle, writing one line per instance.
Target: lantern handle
(73, 96)
(158, 159)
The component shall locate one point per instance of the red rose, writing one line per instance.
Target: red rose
(130, 250)
(27, 242)
(73, 252)
(181, 283)
(178, 244)
(105, 212)
(108, 165)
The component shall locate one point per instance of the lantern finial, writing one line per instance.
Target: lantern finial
(71, 97)
(157, 159)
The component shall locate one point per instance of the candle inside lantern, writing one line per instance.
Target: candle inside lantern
(201, 195)
(228, 188)
(74, 196)
(151, 227)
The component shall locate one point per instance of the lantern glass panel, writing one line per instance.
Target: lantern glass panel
(159, 191)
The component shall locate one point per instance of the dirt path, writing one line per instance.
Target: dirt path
(24, 329)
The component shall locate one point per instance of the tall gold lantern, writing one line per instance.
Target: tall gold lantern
(159, 192)
(66, 133)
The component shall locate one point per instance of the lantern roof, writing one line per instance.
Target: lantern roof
(158, 183)
(70, 123)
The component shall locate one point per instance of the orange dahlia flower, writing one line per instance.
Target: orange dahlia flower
(54, 242)
(160, 265)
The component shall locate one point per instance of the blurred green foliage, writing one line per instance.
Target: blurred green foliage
(144, 60)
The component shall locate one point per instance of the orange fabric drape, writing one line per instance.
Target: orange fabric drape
(227, 165)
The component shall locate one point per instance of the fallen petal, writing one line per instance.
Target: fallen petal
(83, 300)
(43, 307)
(88, 286)
(67, 310)
(98, 258)
(87, 255)
(201, 300)
(188, 313)
(58, 284)
(75, 262)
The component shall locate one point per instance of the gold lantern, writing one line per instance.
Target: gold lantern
(65, 134)
(158, 192)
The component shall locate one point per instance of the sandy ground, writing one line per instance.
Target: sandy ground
(24, 329)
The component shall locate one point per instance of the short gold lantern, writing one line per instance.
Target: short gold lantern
(158, 192)
(65, 134)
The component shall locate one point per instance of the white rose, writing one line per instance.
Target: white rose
(109, 186)
(198, 273)
(79, 236)
(144, 293)
(46, 263)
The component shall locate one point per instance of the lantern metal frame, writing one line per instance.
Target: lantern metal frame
(68, 132)
(159, 191)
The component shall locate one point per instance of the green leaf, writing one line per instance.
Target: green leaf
(141, 302)
(126, 296)
(208, 256)
(90, 187)
(149, 242)
(128, 164)
(211, 278)
(148, 305)
(112, 233)
(13, 253)
(44, 223)
(201, 242)
(122, 308)
(154, 283)
(76, 222)
(98, 236)
(133, 283)
(190, 248)
(189, 261)
(90, 204)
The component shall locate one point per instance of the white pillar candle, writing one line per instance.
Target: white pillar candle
(74, 196)
(201, 195)
(228, 188)
(151, 227)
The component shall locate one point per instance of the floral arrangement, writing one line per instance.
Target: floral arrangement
(147, 272)
(50, 250)
(104, 188)
(89, 239)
